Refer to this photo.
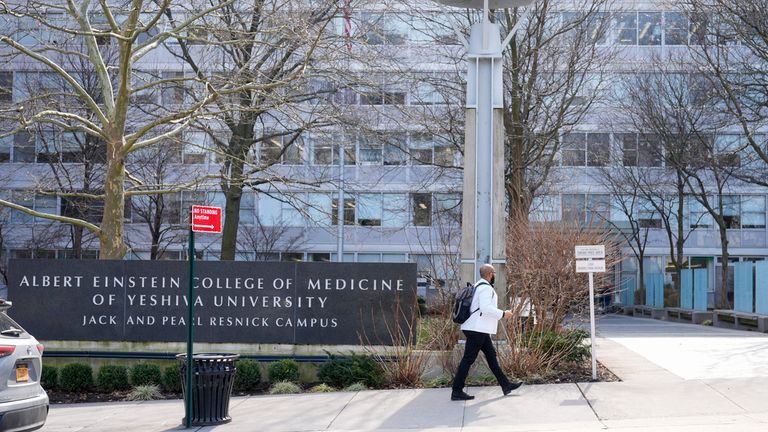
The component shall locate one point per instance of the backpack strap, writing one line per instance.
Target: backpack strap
(473, 293)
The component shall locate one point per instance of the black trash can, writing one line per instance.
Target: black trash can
(213, 376)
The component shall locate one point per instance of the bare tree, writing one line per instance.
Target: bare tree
(266, 240)
(732, 41)
(675, 109)
(134, 29)
(553, 75)
(264, 50)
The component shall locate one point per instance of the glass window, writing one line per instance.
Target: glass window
(369, 210)
(370, 151)
(385, 29)
(292, 256)
(270, 213)
(25, 199)
(573, 208)
(598, 209)
(649, 150)
(368, 257)
(395, 152)
(647, 215)
(247, 207)
(445, 153)
(23, 147)
(424, 93)
(573, 149)
(289, 214)
(350, 205)
(728, 148)
(395, 210)
(435, 28)
(271, 146)
(172, 91)
(753, 211)
(622, 207)
(649, 28)
(6, 86)
(320, 257)
(195, 147)
(598, 28)
(629, 148)
(626, 28)
(598, 149)
(421, 149)
(5, 148)
(698, 29)
(294, 153)
(675, 28)
(448, 208)
(545, 208)
(699, 216)
(732, 211)
(71, 146)
(421, 204)
(323, 149)
(319, 209)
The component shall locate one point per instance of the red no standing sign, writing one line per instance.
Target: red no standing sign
(206, 219)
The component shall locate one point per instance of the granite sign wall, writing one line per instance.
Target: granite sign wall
(241, 302)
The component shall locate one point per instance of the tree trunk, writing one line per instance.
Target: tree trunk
(641, 279)
(724, 302)
(111, 241)
(232, 186)
(233, 195)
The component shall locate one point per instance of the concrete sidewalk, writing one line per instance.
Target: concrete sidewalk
(650, 398)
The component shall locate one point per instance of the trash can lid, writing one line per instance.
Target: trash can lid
(210, 356)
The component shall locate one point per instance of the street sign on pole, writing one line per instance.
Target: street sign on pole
(591, 259)
(590, 252)
(206, 219)
(590, 266)
(202, 219)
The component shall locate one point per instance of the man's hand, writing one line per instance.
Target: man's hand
(507, 314)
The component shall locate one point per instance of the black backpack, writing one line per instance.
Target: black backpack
(462, 309)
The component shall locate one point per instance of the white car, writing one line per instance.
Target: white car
(23, 402)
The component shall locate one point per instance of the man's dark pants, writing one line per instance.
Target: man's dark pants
(477, 342)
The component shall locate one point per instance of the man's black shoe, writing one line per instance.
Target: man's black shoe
(511, 386)
(458, 396)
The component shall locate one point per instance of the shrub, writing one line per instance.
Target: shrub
(145, 393)
(565, 345)
(76, 377)
(355, 387)
(284, 370)
(706, 322)
(322, 388)
(146, 374)
(284, 387)
(172, 378)
(247, 375)
(342, 372)
(112, 377)
(49, 378)
(422, 303)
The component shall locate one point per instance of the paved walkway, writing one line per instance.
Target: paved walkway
(673, 377)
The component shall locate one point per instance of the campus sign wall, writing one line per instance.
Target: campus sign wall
(240, 302)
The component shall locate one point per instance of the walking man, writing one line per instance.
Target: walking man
(478, 329)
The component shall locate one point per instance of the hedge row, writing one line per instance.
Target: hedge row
(75, 377)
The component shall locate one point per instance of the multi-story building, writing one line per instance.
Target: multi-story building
(396, 169)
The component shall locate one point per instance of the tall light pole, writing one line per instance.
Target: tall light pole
(482, 230)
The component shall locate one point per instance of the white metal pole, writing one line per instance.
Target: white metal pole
(592, 322)
(340, 207)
